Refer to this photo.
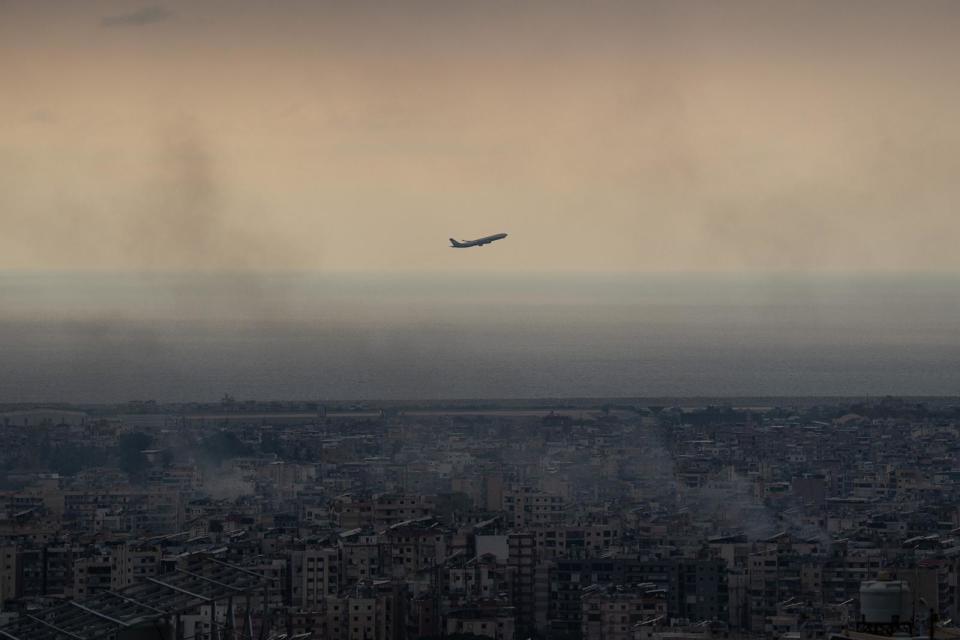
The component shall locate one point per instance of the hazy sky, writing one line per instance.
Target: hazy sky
(361, 135)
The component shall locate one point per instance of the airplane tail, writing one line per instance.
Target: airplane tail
(454, 243)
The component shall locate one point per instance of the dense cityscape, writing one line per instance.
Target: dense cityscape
(479, 320)
(576, 521)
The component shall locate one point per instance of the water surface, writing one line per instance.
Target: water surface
(99, 337)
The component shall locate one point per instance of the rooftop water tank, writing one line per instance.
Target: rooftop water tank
(885, 602)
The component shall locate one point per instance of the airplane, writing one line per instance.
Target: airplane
(463, 244)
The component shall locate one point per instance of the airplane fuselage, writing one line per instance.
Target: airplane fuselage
(479, 242)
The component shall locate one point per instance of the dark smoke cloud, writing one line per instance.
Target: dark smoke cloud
(140, 18)
(187, 216)
(182, 220)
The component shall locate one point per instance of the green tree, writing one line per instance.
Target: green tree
(223, 445)
(447, 504)
(130, 457)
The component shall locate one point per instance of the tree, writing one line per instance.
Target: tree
(447, 504)
(223, 445)
(131, 460)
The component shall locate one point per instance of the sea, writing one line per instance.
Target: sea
(92, 337)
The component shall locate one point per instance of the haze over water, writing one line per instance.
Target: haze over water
(86, 337)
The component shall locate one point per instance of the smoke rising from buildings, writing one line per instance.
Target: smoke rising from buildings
(225, 484)
(251, 201)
